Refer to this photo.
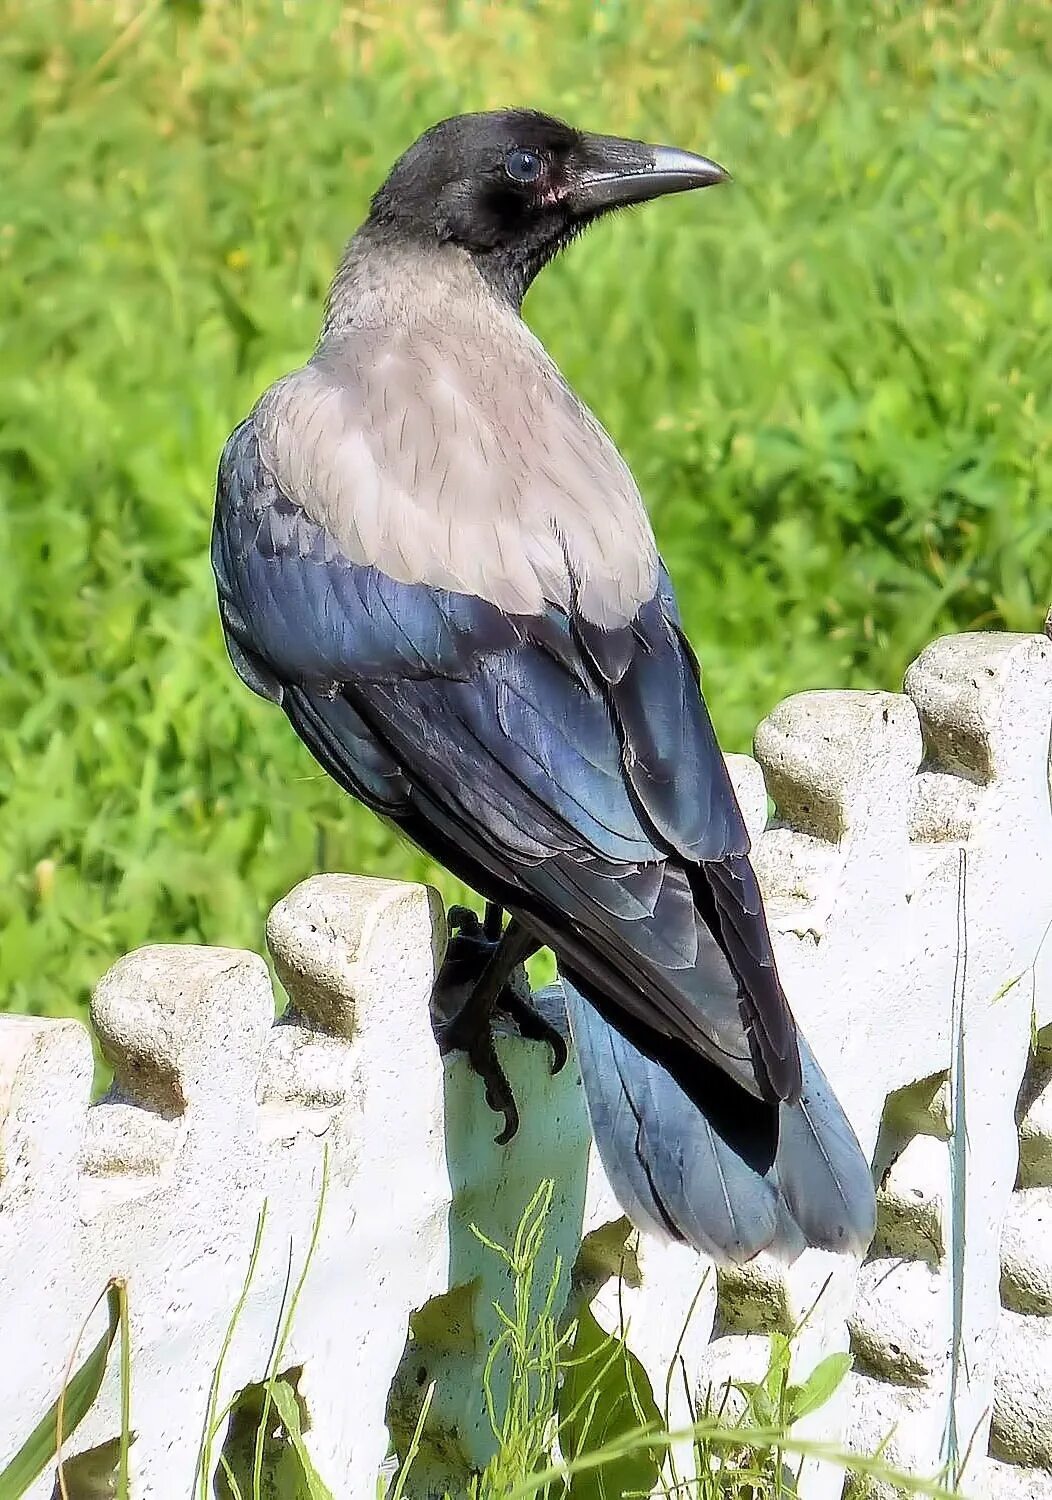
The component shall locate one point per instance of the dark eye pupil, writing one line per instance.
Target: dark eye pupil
(523, 166)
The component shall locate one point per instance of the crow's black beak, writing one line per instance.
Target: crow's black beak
(613, 172)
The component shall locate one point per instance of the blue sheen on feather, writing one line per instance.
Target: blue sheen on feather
(570, 772)
(308, 609)
(726, 1183)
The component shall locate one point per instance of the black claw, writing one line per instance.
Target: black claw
(482, 1055)
(533, 1027)
(511, 1125)
(479, 959)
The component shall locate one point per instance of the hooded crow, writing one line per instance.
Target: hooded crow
(431, 555)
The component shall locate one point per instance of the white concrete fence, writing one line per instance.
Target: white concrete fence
(908, 873)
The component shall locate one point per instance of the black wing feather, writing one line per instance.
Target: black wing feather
(570, 773)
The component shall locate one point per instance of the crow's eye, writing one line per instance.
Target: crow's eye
(523, 166)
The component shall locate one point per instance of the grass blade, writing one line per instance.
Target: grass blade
(74, 1401)
(286, 1327)
(284, 1399)
(204, 1462)
(414, 1446)
(123, 1473)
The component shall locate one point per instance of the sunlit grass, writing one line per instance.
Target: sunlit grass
(832, 380)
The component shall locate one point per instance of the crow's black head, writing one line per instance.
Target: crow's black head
(513, 187)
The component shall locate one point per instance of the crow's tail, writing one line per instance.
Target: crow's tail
(693, 1156)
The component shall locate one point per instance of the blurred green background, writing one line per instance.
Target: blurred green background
(832, 380)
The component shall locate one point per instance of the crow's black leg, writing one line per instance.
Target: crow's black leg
(481, 960)
(473, 984)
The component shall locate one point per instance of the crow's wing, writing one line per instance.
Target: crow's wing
(569, 772)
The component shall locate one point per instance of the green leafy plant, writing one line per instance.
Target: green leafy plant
(264, 1456)
(79, 1479)
(213, 1420)
(581, 1422)
(604, 1395)
(774, 1403)
(93, 1474)
(533, 1348)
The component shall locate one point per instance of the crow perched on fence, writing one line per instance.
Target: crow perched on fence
(432, 556)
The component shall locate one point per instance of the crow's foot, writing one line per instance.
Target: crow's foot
(477, 982)
(532, 1026)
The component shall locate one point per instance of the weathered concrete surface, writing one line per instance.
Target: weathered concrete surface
(908, 873)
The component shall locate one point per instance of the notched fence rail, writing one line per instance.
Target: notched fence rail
(908, 874)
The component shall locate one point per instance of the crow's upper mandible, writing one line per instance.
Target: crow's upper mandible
(432, 556)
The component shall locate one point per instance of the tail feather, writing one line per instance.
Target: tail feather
(822, 1174)
(696, 1158)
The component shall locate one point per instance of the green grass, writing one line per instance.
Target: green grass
(832, 380)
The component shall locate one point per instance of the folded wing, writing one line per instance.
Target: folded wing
(567, 770)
